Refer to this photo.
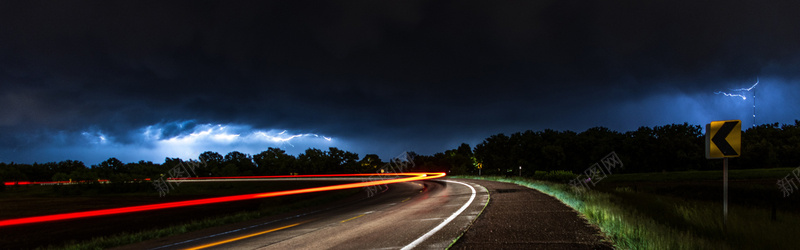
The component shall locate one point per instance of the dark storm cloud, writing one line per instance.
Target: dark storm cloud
(413, 74)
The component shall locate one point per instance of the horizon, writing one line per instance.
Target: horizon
(362, 155)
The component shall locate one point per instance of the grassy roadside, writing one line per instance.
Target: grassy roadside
(734, 174)
(135, 237)
(638, 220)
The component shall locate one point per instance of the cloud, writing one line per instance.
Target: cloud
(182, 139)
(96, 80)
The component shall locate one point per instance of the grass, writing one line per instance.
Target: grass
(135, 237)
(638, 220)
(738, 174)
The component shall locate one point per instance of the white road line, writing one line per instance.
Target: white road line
(444, 223)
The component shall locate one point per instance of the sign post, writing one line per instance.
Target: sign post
(724, 140)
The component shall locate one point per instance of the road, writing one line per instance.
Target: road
(418, 215)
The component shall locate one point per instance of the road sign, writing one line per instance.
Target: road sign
(723, 139)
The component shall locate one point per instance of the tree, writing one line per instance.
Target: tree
(553, 156)
(494, 153)
(11, 172)
(68, 166)
(312, 161)
(213, 161)
(464, 150)
(243, 162)
(108, 168)
(274, 161)
(339, 161)
(60, 177)
(211, 157)
(370, 163)
(678, 147)
(459, 160)
(83, 174)
(145, 169)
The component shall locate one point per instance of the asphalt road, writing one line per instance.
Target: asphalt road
(419, 215)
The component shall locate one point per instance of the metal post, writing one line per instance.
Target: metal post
(520, 171)
(725, 190)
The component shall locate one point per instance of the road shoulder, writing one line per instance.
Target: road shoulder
(518, 217)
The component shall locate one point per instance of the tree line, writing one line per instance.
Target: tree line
(674, 147)
(273, 161)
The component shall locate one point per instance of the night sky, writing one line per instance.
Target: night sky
(145, 80)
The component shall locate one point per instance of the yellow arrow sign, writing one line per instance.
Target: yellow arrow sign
(723, 139)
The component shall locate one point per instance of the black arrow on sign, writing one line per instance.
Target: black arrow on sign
(719, 138)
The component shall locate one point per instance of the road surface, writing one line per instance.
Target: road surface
(418, 215)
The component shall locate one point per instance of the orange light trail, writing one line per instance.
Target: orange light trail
(243, 237)
(85, 214)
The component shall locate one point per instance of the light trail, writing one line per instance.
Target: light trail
(12, 183)
(243, 237)
(112, 211)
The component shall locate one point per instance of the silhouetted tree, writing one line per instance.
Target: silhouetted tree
(243, 163)
(274, 161)
(340, 161)
(459, 160)
(312, 161)
(110, 168)
(370, 163)
(213, 161)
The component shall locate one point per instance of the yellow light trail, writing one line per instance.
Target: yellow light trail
(243, 237)
(86, 214)
(352, 218)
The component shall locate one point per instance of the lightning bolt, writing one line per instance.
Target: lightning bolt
(729, 94)
(741, 90)
(741, 94)
(748, 89)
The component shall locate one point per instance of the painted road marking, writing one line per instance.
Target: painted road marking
(359, 216)
(445, 222)
(430, 219)
(243, 237)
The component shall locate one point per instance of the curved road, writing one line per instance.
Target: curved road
(418, 215)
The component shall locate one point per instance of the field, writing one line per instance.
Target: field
(115, 230)
(683, 210)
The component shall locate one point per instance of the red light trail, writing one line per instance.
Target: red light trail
(85, 214)
(12, 183)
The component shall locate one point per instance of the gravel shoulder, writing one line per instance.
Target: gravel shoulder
(518, 217)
